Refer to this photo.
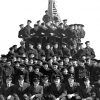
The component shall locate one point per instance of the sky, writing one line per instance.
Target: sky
(15, 12)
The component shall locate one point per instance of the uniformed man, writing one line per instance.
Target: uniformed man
(60, 32)
(81, 52)
(46, 83)
(81, 30)
(56, 49)
(72, 89)
(27, 31)
(86, 90)
(40, 50)
(21, 88)
(32, 50)
(89, 52)
(22, 34)
(36, 34)
(70, 35)
(97, 88)
(28, 27)
(65, 50)
(36, 90)
(74, 51)
(46, 17)
(22, 48)
(38, 23)
(8, 70)
(7, 88)
(81, 72)
(48, 52)
(37, 72)
(57, 89)
(65, 26)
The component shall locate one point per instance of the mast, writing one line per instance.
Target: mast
(52, 11)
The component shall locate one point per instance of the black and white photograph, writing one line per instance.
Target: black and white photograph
(49, 50)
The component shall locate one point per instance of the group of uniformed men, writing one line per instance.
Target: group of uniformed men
(50, 64)
(52, 31)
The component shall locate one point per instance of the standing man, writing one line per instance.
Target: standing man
(89, 52)
(65, 26)
(46, 18)
(22, 34)
(27, 31)
(28, 27)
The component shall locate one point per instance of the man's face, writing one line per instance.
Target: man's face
(43, 58)
(56, 46)
(54, 58)
(48, 47)
(57, 81)
(81, 64)
(22, 26)
(72, 27)
(26, 60)
(37, 70)
(30, 68)
(21, 82)
(61, 63)
(71, 81)
(46, 66)
(64, 46)
(88, 61)
(88, 44)
(66, 60)
(17, 65)
(8, 63)
(36, 84)
(75, 27)
(28, 23)
(8, 82)
(55, 67)
(39, 46)
(4, 59)
(75, 63)
(14, 59)
(32, 56)
(65, 22)
(31, 61)
(65, 71)
(31, 46)
(87, 83)
(46, 12)
(36, 27)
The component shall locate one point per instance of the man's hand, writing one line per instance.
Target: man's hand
(57, 98)
(32, 97)
(70, 95)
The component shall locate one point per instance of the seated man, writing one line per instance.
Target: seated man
(57, 89)
(72, 89)
(35, 91)
(7, 89)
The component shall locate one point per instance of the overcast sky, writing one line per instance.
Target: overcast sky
(15, 12)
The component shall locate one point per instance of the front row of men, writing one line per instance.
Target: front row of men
(44, 90)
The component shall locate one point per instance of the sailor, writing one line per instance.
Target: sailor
(65, 26)
(21, 88)
(65, 50)
(28, 28)
(57, 89)
(46, 18)
(89, 52)
(36, 90)
(22, 34)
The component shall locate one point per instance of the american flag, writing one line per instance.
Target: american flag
(52, 10)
